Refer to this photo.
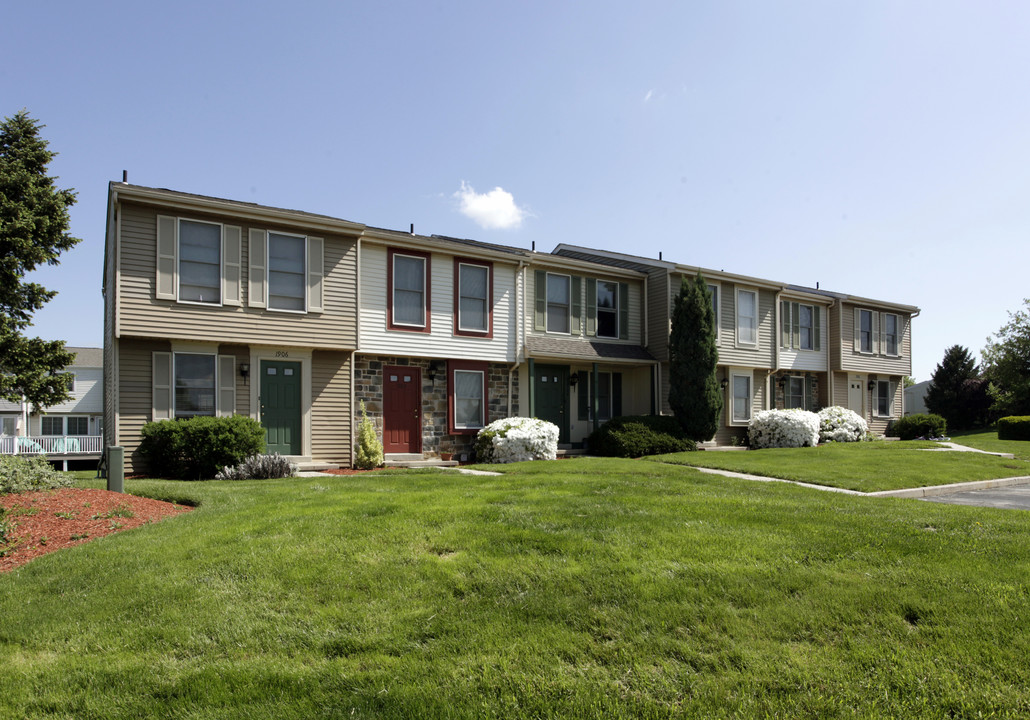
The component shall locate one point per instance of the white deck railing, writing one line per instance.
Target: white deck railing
(51, 445)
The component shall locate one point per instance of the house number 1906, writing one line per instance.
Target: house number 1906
(282, 353)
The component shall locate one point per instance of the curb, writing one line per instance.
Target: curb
(935, 490)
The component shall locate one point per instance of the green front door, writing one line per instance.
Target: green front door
(551, 391)
(280, 406)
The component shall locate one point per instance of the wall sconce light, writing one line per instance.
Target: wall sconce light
(435, 367)
(725, 382)
(872, 384)
(574, 379)
(782, 382)
(244, 370)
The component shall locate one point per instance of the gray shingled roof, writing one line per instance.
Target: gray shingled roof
(590, 350)
(87, 356)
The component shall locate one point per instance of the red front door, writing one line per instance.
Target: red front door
(402, 409)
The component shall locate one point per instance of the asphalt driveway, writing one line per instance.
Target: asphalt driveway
(1013, 497)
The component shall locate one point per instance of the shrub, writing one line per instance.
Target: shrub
(920, 425)
(260, 467)
(635, 436)
(517, 439)
(370, 449)
(197, 448)
(784, 428)
(1014, 427)
(838, 424)
(20, 473)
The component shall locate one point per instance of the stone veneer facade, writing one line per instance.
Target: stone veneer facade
(813, 390)
(368, 387)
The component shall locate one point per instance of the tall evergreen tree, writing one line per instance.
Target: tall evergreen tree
(34, 226)
(694, 393)
(949, 394)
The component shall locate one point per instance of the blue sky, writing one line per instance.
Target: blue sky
(878, 148)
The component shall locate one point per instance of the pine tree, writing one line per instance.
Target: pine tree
(694, 393)
(949, 394)
(34, 226)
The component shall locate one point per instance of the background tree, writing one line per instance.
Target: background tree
(694, 393)
(946, 393)
(1007, 365)
(33, 230)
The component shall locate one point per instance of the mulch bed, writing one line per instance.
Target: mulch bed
(48, 520)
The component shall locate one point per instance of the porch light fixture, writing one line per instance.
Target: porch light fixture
(244, 370)
(871, 385)
(724, 383)
(435, 366)
(574, 379)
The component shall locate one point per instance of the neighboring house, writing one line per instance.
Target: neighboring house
(218, 307)
(781, 345)
(915, 398)
(69, 431)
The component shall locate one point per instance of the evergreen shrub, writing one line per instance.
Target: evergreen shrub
(198, 447)
(370, 449)
(21, 473)
(1014, 427)
(638, 435)
(920, 425)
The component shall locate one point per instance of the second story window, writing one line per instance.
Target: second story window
(408, 281)
(713, 290)
(558, 303)
(200, 268)
(286, 260)
(607, 309)
(747, 317)
(805, 327)
(472, 298)
(865, 331)
(890, 333)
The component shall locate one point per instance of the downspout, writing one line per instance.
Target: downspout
(829, 361)
(520, 279)
(770, 400)
(357, 346)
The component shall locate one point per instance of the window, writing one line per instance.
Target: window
(558, 303)
(286, 261)
(741, 401)
(609, 395)
(200, 262)
(77, 425)
(865, 331)
(890, 333)
(473, 298)
(747, 317)
(407, 286)
(194, 385)
(805, 326)
(884, 397)
(8, 425)
(51, 425)
(714, 292)
(607, 309)
(794, 392)
(466, 396)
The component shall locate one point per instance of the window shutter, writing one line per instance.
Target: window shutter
(857, 347)
(540, 316)
(316, 270)
(616, 394)
(623, 311)
(817, 328)
(784, 324)
(226, 385)
(161, 385)
(877, 339)
(583, 392)
(258, 271)
(902, 320)
(167, 248)
(591, 306)
(231, 254)
(811, 391)
(795, 325)
(577, 304)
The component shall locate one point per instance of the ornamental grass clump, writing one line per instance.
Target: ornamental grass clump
(517, 439)
(784, 429)
(259, 467)
(838, 424)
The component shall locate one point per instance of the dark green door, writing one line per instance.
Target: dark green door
(280, 406)
(551, 391)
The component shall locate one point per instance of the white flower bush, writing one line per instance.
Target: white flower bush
(517, 439)
(784, 428)
(838, 424)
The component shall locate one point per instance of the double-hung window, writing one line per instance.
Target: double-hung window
(806, 331)
(77, 425)
(883, 399)
(747, 317)
(408, 283)
(740, 386)
(473, 298)
(607, 309)
(559, 301)
(794, 392)
(193, 382)
(466, 396)
(51, 425)
(194, 385)
(890, 333)
(8, 425)
(713, 290)
(865, 331)
(200, 262)
(287, 255)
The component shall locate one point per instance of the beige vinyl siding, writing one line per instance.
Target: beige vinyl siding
(635, 306)
(729, 353)
(331, 412)
(440, 342)
(840, 389)
(813, 360)
(142, 314)
(877, 362)
(877, 423)
(659, 313)
(135, 395)
(241, 353)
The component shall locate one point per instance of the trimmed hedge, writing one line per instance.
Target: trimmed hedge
(197, 448)
(1014, 427)
(920, 425)
(638, 435)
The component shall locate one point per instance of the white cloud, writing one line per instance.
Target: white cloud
(650, 94)
(493, 210)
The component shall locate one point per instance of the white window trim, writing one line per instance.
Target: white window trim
(804, 391)
(69, 417)
(221, 262)
(811, 328)
(425, 290)
(51, 418)
(597, 310)
(876, 399)
(744, 343)
(717, 307)
(482, 404)
(486, 300)
(547, 305)
(872, 331)
(175, 363)
(897, 333)
(268, 273)
(734, 373)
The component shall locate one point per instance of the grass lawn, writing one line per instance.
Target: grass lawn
(580, 588)
(988, 440)
(867, 467)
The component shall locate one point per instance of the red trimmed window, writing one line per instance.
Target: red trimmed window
(473, 298)
(466, 396)
(407, 290)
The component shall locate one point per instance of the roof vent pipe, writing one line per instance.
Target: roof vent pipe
(816, 284)
(534, 246)
(659, 254)
(125, 177)
(412, 231)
